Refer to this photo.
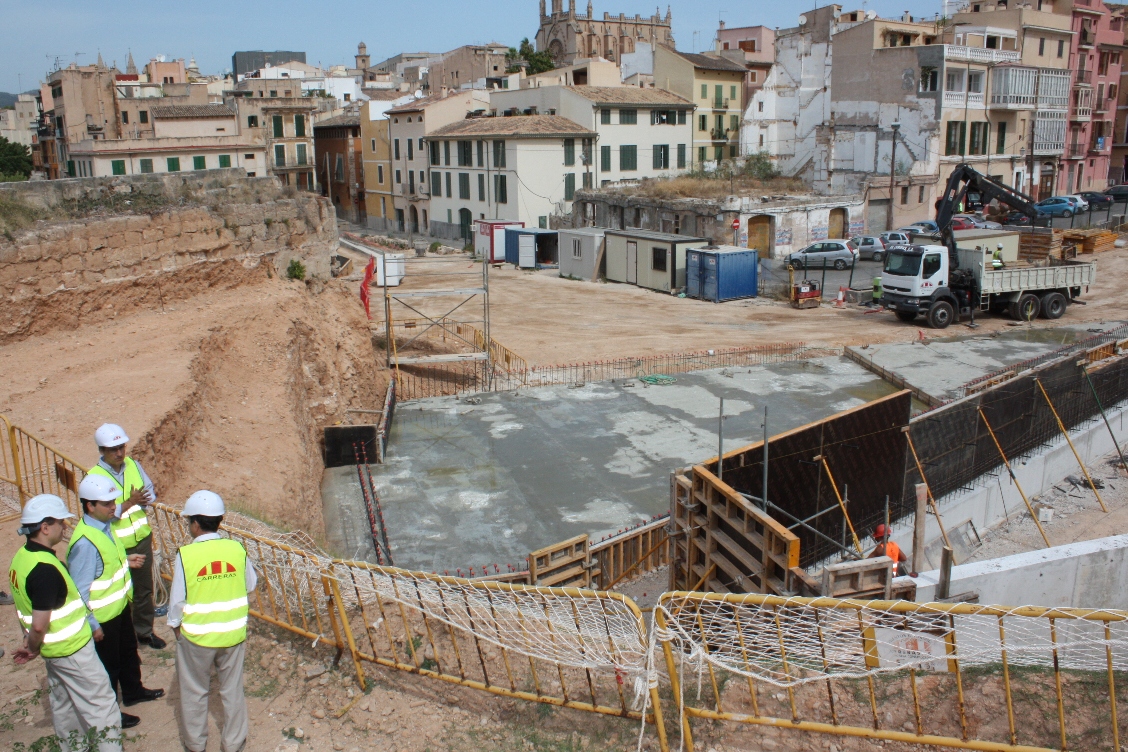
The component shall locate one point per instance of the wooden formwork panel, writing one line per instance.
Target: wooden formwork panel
(563, 564)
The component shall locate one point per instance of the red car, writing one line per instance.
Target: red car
(961, 223)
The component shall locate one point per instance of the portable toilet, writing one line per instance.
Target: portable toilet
(489, 241)
(578, 250)
(530, 247)
(721, 272)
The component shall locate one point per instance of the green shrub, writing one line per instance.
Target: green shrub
(296, 270)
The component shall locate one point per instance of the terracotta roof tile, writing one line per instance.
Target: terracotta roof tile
(517, 126)
(630, 95)
(709, 63)
(193, 111)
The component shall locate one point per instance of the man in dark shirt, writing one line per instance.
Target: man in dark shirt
(53, 617)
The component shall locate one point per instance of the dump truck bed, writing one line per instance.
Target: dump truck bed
(1022, 278)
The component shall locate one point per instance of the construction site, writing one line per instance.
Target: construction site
(500, 508)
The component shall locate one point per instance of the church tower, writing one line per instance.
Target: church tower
(363, 59)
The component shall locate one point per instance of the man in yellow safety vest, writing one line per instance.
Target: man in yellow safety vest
(53, 618)
(100, 568)
(132, 525)
(207, 611)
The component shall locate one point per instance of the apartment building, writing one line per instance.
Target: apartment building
(376, 156)
(277, 114)
(521, 167)
(642, 133)
(716, 86)
(1118, 163)
(1096, 61)
(751, 46)
(340, 164)
(409, 124)
(20, 125)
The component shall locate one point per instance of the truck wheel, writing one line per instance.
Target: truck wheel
(940, 315)
(1026, 308)
(1053, 305)
(905, 315)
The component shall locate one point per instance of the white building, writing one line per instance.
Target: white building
(523, 167)
(643, 133)
(19, 124)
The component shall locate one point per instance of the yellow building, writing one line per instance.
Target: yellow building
(376, 152)
(716, 86)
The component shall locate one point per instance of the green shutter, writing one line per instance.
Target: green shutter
(436, 184)
(173, 164)
(569, 186)
(481, 185)
(199, 163)
(628, 157)
(70, 168)
(569, 151)
(464, 186)
(1001, 138)
(280, 155)
(605, 158)
(224, 160)
(277, 120)
(605, 116)
(500, 189)
(146, 166)
(118, 166)
(681, 156)
(299, 126)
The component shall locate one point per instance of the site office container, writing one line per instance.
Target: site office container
(724, 272)
(579, 248)
(530, 247)
(489, 242)
(655, 260)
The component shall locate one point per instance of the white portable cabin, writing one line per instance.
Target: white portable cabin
(578, 249)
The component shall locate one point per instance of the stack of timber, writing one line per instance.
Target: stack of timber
(1091, 241)
(1041, 245)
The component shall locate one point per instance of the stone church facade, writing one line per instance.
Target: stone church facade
(570, 36)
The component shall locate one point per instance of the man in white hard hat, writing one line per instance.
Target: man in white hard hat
(99, 566)
(207, 611)
(132, 525)
(53, 617)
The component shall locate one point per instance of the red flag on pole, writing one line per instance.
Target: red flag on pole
(369, 271)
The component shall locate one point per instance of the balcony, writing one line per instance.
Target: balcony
(1075, 151)
(1102, 105)
(979, 54)
(1098, 144)
(1087, 38)
(1084, 78)
(1082, 111)
(1013, 88)
(720, 104)
(720, 134)
(972, 100)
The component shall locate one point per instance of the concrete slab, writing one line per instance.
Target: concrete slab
(469, 483)
(942, 365)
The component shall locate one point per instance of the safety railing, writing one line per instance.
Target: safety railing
(40, 468)
(568, 647)
(10, 501)
(632, 553)
(948, 675)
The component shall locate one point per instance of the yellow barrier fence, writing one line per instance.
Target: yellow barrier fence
(948, 675)
(40, 468)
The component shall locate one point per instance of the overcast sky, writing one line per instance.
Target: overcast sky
(36, 33)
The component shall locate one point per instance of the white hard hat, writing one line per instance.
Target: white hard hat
(110, 435)
(98, 488)
(206, 503)
(999, 246)
(39, 508)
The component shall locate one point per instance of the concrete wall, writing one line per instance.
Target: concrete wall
(996, 498)
(1089, 574)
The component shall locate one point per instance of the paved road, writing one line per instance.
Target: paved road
(775, 273)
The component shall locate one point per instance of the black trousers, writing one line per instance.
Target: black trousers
(118, 651)
(143, 589)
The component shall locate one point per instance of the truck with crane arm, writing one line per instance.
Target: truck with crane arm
(945, 283)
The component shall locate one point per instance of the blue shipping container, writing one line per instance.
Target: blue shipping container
(544, 246)
(721, 273)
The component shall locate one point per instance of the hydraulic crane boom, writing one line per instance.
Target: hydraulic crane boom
(966, 178)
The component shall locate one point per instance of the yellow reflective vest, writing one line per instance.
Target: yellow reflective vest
(215, 579)
(68, 631)
(114, 587)
(133, 527)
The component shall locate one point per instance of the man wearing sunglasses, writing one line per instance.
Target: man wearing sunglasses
(132, 525)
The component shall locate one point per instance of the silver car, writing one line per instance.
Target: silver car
(896, 239)
(834, 254)
(869, 246)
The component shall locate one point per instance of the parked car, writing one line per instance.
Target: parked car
(927, 225)
(897, 238)
(1118, 193)
(1096, 200)
(1082, 204)
(979, 223)
(835, 253)
(868, 246)
(1058, 206)
(962, 223)
(1019, 219)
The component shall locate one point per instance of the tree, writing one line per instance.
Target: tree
(15, 159)
(537, 62)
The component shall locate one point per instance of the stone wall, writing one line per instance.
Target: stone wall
(112, 241)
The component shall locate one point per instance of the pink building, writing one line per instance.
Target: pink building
(1095, 58)
(753, 46)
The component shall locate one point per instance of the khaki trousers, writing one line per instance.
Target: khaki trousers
(143, 589)
(81, 699)
(193, 674)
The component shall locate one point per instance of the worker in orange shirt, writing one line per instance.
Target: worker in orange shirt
(886, 547)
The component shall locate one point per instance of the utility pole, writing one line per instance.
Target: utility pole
(1033, 120)
(892, 172)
